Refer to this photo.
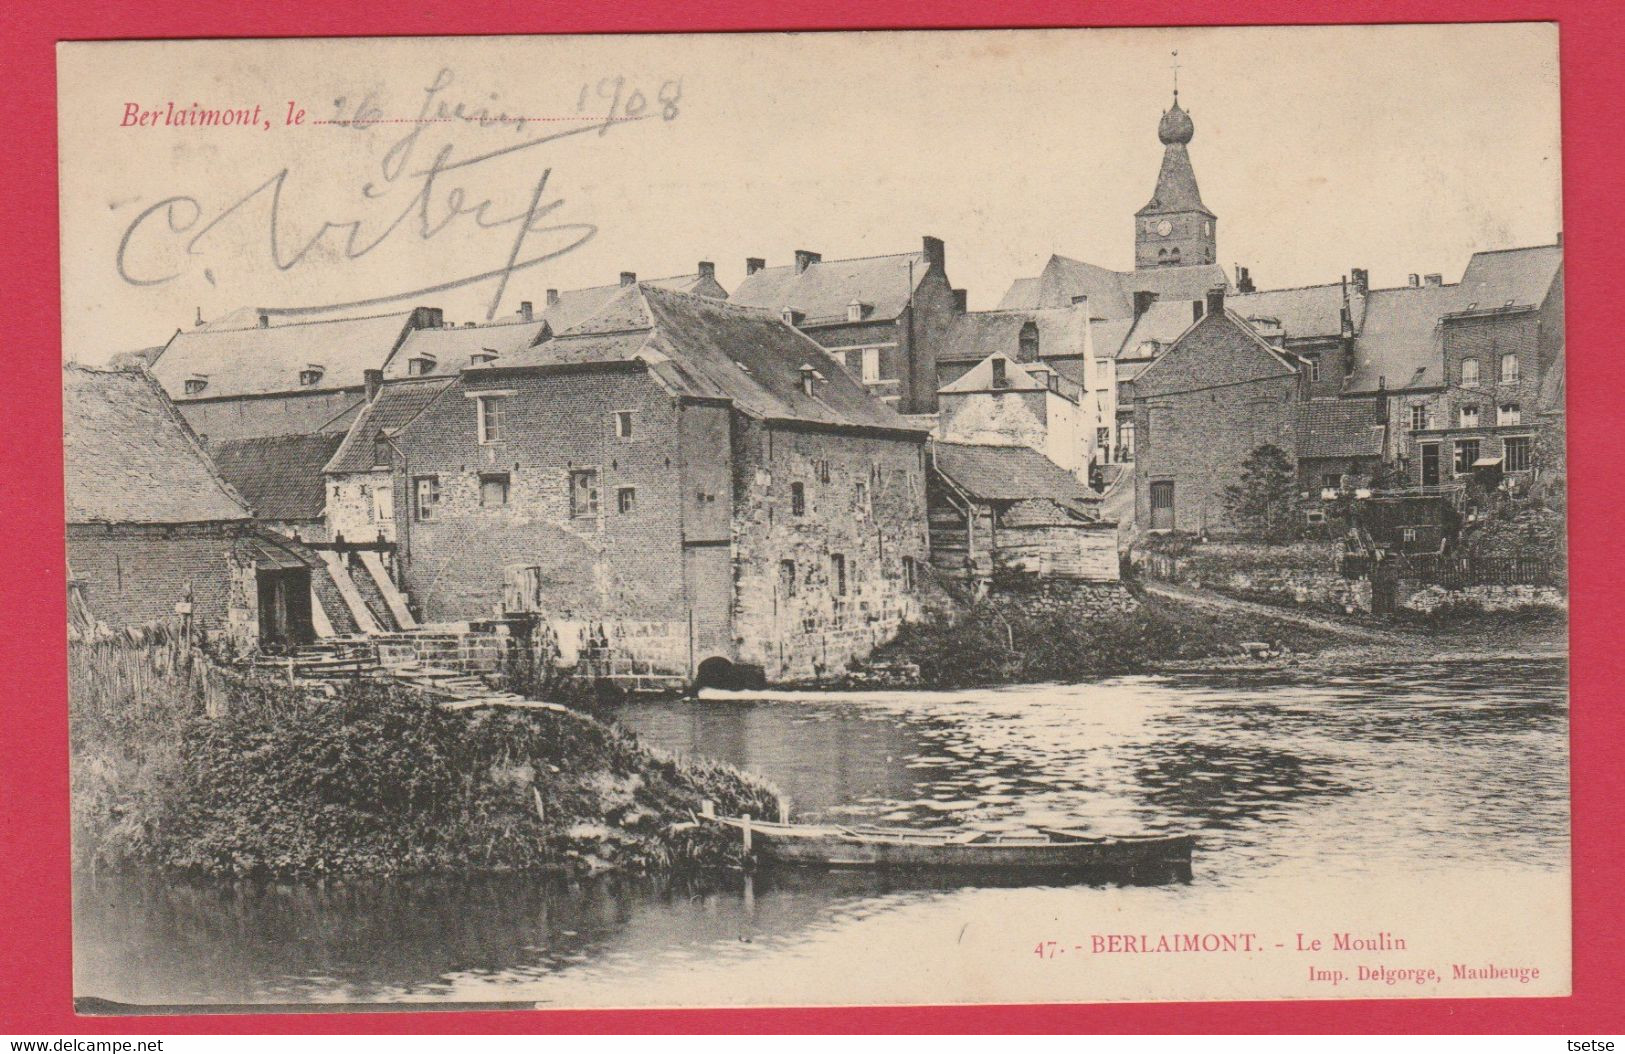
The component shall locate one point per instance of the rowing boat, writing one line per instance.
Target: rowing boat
(1047, 849)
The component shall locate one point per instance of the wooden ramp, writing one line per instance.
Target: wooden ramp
(386, 589)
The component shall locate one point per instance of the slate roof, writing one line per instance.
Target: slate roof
(398, 404)
(1176, 185)
(1108, 335)
(1110, 293)
(1339, 428)
(452, 348)
(1019, 377)
(1510, 277)
(575, 305)
(824, 290)
(709, 348)
(129, 456)
(1399, 342)
(262, 361)
(1162, 323)
(996, 473)
(280, 476)
(1303, 312)
(975, 335)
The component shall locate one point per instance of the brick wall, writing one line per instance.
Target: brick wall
(871, 512)
(588, 563)
(1486, 338)
(134, 574)
(1199, 412)
(272, 415)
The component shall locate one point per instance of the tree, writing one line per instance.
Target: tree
(1265, 501)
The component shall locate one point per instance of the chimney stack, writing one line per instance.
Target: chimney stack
(526, 310)
(371, 381)
(265, 320)
(805, 258)
(961, 301)
(552, 297)
(1215, 300)
(1360, 278)
(1143, 299)
(708, 270)
(629, 278)
(936, 254)
(1244, 280)
(754, 264)
(1559, 237)
(1433, 279)
(1415, 281)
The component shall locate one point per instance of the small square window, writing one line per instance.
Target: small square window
(626, 499)
(623, 424)
(493, 489)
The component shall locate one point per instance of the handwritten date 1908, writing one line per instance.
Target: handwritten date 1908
(425, 183)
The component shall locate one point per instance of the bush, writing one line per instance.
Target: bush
(975, 649)
(379, 781)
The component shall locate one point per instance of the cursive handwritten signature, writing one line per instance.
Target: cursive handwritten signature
(436, 202)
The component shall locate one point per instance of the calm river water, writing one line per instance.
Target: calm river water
(1379, 787)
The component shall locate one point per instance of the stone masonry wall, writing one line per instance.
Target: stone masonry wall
(864, 500)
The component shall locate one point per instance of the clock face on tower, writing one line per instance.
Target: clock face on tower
(1165, 228)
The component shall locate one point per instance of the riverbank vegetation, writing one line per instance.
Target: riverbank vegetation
(1005, 640)
(283, 781)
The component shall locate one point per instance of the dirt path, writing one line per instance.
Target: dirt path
(1325, 623)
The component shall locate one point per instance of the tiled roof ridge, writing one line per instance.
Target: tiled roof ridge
(1518, 249)
(1403, 288)
(292, 325)
(1290, 288)
(617, 285)
(844, 259)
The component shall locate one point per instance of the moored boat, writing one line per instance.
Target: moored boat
(1048, 849)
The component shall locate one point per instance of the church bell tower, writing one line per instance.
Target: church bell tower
(1175, 229)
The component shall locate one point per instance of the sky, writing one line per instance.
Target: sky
(1400, 149)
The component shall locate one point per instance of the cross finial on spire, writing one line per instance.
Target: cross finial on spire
(1176, 77)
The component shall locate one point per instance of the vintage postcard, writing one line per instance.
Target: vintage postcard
(816, 519)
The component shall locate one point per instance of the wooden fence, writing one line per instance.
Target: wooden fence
(1456, 572)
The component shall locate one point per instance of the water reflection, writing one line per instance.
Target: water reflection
(1377, 772)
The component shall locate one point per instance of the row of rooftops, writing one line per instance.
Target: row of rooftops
(131, 458)
(1076, 308)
